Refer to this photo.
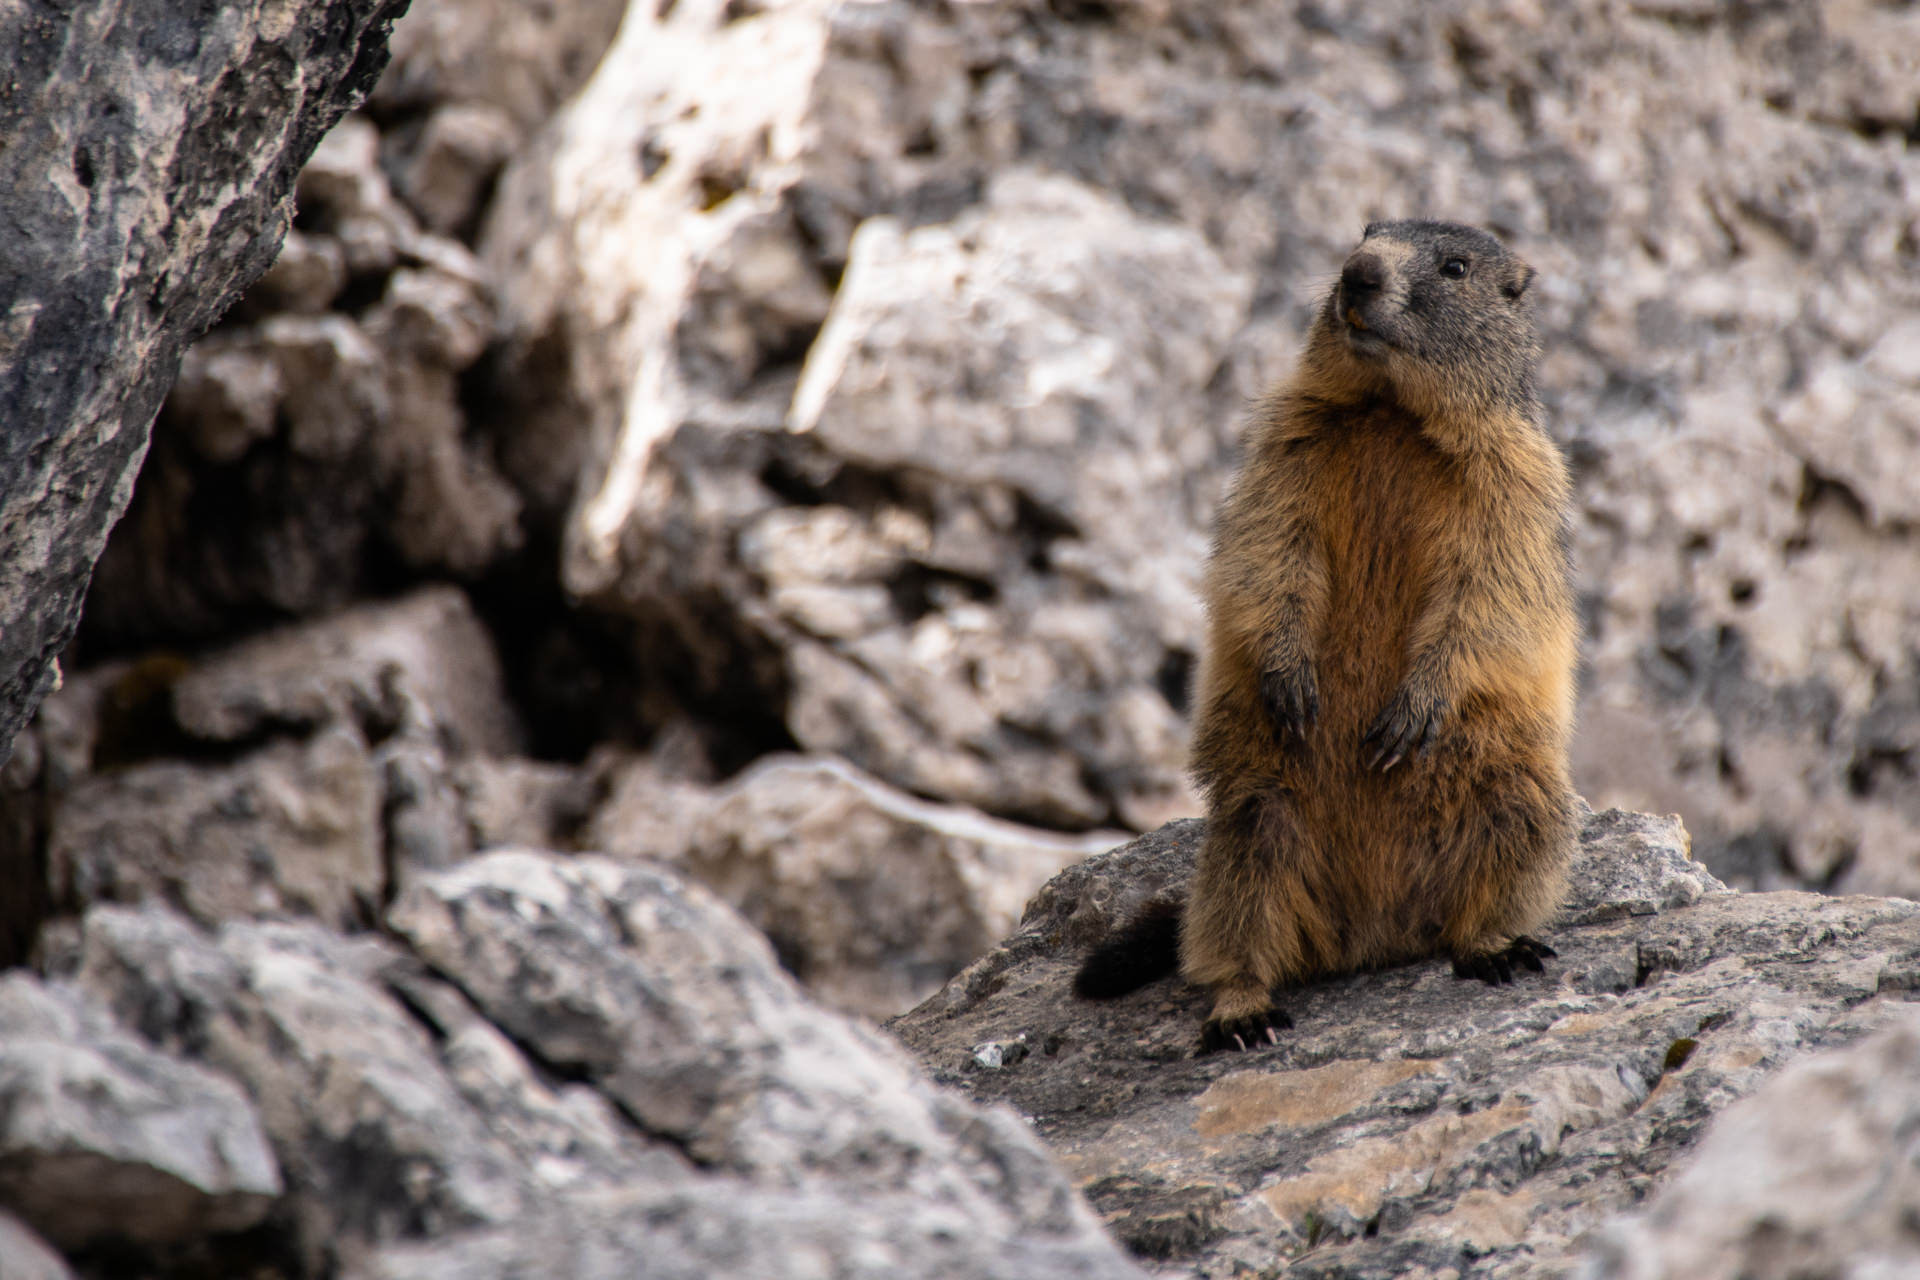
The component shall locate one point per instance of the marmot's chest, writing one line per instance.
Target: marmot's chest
(1389, 501)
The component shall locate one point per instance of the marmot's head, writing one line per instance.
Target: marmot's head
(1437, 311)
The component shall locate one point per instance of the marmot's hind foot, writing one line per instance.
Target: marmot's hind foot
(1253, 1031)
(1496, 967)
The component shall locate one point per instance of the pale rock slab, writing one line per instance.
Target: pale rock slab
(103, 1139)
(871, 897)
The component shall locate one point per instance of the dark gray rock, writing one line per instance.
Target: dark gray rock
(1412, 1124)
(150, 153)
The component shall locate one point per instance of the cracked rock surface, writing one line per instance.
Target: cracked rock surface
(1412, 1124)
(150, 155)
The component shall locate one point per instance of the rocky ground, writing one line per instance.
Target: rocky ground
(1415, 1125)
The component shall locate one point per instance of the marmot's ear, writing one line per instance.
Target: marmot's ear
(1517, 283)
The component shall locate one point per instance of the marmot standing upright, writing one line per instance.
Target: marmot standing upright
(1386, 696)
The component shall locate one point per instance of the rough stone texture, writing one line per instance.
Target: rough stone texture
(321, 443)
(292, 829)
(1815, 1175)
(871, 898)
(305, 772)
(906, 567)
(394, 1111)
(423, 662)
(318, 440)
(650, 990)
(104, 1140)
(469, 80)
(1412, 1125)
(150, 154)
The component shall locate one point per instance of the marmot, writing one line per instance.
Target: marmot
(1386, 697)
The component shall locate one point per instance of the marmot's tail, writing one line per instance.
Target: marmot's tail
(1144, 948)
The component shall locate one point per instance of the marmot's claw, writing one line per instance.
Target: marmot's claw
(1530, 952)
(1496, 967)
(1293, 700)
(1400, 732)
(1245, 1033)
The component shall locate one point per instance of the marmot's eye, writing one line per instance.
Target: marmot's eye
(1454, 268)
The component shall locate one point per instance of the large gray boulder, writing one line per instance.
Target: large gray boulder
(1412, 1124)
(647, 987)
(150, 154)
(393, 1112)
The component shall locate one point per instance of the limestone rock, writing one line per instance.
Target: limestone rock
(422, 662)
(872, 898)
(395, 1112)
(1046, 352)
(149, 159)
(1412, 1124)
(511, 801)
(293, 829)
(651, 991)
(103, 1139)
(1815, 1175)
(304, 772)
(727, 1227)
(318, 433)
(469, 80)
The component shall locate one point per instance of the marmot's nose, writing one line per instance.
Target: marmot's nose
(1362, 277)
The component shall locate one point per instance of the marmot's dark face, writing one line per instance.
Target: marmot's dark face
(1419, 298)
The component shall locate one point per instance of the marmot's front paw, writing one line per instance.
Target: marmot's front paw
(1293, 700)
(1406, 728)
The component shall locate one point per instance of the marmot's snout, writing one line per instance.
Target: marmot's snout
(1361, 282)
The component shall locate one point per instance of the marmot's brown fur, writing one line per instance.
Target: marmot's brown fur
(1386, 696)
